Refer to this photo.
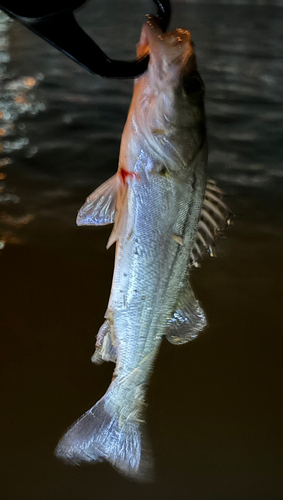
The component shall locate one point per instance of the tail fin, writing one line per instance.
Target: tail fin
(98, 436)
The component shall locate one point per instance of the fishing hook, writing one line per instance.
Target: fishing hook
(54, 21)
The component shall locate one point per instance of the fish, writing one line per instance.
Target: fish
(166, 215)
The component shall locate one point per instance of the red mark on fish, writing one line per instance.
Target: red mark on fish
(125, 174)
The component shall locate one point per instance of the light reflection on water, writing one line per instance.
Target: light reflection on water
(17, 99)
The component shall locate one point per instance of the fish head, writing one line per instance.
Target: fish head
(169, 52)
(169, 97)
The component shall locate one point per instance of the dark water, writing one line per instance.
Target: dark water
(215, 406)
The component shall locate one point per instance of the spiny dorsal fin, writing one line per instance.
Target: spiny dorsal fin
(213, 218)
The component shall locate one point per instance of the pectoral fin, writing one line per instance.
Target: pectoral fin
(187, 320)
(99, 208)
(121, 216)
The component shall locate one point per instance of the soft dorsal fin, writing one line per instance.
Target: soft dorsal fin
(187, 320)
(99, 208)
(213, 218)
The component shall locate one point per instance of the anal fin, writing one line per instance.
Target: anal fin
(105, 350)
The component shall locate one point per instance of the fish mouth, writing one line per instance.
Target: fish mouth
(172, 48)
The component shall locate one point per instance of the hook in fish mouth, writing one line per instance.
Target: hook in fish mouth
(168, 52)
(155, 36)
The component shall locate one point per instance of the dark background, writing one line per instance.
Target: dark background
(215, 405)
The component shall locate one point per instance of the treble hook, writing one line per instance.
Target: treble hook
(54, 21)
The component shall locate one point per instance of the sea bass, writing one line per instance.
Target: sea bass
(166, 214)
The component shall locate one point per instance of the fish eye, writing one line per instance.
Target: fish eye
(193, 85)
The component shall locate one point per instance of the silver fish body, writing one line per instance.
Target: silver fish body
(155, 202)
